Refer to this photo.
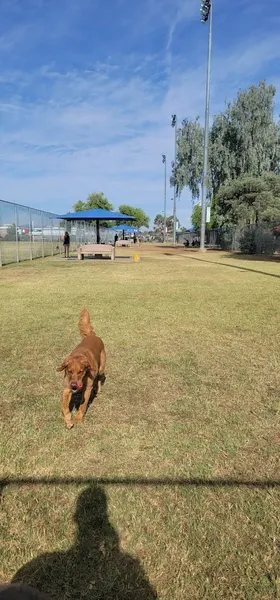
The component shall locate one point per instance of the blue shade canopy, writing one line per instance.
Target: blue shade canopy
(123, 227)
(96, 214)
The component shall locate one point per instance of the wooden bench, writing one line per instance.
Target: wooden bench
(98, 250)
(120, 243)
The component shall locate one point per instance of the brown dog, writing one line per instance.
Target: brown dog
(83, 368)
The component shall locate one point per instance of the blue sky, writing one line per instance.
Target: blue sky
(87, 89)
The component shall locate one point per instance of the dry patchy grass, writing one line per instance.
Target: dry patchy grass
(191, 393)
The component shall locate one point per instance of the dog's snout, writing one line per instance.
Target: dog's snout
(74, 385)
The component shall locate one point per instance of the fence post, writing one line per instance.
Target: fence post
(42, 221)
(0, 238)
(60, 241)
(30, 233)
(52, 236)
(16, 224)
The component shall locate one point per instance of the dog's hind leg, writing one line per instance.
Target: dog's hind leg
(101, 377)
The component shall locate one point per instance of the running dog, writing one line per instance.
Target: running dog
(83, 369)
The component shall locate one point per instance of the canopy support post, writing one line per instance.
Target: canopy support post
(97, 232)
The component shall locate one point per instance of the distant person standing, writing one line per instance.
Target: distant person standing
(66, 244)
(134, 238)
(116, 238)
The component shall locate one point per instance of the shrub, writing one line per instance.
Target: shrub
(248, 242)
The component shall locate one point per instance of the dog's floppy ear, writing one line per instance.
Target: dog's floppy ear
(64, 365)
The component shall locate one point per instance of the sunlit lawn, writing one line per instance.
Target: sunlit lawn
(192, 394)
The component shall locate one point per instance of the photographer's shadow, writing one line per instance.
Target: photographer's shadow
(95, 568)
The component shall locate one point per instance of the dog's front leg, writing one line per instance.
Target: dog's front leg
(83, 406)
(66, 399)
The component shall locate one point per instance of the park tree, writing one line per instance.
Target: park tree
(196, 216)
(95, 200)
(79, 206)
(142, 220)
(11, 233)
(159, 226)
(169, 224)
(188, 171)
(244, 138)
(249, 200)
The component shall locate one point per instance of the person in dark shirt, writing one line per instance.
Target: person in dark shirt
(66, 244)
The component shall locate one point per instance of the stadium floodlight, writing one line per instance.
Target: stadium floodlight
(174, 125)
(206, 12)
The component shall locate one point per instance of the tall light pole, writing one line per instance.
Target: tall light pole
(206, 11)
(174, 124)
(164, 210)
(174, 218)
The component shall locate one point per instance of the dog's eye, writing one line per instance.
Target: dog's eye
(71, 372)
(80, 372)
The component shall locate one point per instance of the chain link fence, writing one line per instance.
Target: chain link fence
(263, 238)
(27, 233)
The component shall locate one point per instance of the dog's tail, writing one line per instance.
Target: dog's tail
(85, 326)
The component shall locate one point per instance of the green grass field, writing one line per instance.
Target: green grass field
(171, 485)
(8, 250)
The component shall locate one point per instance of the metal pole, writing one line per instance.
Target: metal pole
(30, 233)
(51, 236)
(206, 135)
(97, 232)
(164, 205)
(42, 221)
(16, 224)
(174, 210)
(164, 219)
(174, 124)
(0, 239)
(174, 219)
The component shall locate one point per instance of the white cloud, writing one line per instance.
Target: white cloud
(106, 127)
(92, 134)
(184, 9)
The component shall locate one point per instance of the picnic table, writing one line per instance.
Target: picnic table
(126, 243)
(96, 250)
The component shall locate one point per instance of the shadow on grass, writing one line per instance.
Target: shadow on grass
(94, 568)
(147, 481)
(240, 268)
(256, 257)
(88, 259)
